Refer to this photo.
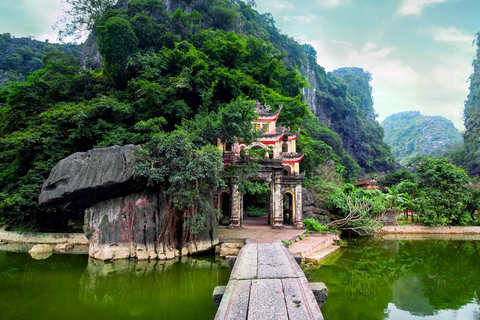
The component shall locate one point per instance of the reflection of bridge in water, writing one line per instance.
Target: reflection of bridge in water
(267, 283)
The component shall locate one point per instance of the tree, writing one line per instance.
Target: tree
(395, 178)
(81, 17)
(357, 210)
(447, 192)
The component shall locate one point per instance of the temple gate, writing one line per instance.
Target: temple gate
(279, 168)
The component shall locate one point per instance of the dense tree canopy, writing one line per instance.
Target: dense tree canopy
(200, 84)
(184, 71)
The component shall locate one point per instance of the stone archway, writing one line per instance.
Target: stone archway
(256, 208)
(288, 208)
(224, 206)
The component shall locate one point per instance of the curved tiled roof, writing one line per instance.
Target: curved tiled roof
(292, 155)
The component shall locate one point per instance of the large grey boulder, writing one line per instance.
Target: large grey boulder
(86, 178)
(123, 218)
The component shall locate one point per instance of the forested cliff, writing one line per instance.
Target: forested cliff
(472, 119)
(411, 134)
(341, 100)
(20, 56)
(178, 74)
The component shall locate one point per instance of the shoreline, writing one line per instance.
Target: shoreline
(43, 238)
(417, 232)
(429, 230)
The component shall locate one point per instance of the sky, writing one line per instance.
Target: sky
(419, 52)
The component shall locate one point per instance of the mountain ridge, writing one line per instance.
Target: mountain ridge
(411, 134)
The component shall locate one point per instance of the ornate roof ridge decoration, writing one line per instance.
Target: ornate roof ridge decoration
(265, 110)
(273, 135)
(292, 134)
(292, 155)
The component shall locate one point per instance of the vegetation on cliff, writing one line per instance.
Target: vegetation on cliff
(472, 118)
(411, 134)
(21, 56)
(188, 72)
(193, 82)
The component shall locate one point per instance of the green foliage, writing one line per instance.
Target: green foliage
(472, 118)
(21, 56)
(446, 192)
(395, 178)
(256, 211)
(411, 134)
(287, 243)
(314, 225)
(357, 210)
(322, 145)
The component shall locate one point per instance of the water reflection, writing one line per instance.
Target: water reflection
(379, 279)
(153, 288)
(76, 287)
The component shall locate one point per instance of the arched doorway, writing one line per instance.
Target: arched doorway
(288, 208)
(256, 204)
(225, 208)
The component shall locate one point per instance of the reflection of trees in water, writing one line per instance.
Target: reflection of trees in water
(172, 289)
(408, 295)
(372, 273)
(448, 270)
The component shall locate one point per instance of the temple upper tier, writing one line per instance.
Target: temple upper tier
(277, 142)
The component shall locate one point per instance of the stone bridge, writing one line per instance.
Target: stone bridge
(267, 283)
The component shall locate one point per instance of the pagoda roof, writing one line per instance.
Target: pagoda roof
(292, 156)
(291, 135)
(265, 111)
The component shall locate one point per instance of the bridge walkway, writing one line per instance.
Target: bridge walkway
(267, 283)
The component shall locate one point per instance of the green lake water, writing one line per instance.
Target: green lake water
(76, 287)
(397, 279)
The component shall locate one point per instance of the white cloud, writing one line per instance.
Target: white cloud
(332, 3)
(450, 34)
(439, 88)
(281, 5)
(305, 19)
(415, 7)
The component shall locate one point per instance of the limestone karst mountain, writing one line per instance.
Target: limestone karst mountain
(410, 134)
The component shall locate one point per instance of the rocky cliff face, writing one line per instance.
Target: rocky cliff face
(472, 118)
(123, 218)
(343, 101)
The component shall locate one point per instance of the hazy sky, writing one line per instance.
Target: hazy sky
(419, 52)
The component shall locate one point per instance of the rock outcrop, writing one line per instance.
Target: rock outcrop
(86, 178)
(123, 217)
(312, 210)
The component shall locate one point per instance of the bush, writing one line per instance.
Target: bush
(314, 225)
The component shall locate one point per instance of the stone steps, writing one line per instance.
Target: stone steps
(321, 254)
(312, 244)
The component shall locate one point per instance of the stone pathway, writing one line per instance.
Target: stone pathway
(267, 283)
(315, 245)
(307, 247)
(261, 234)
